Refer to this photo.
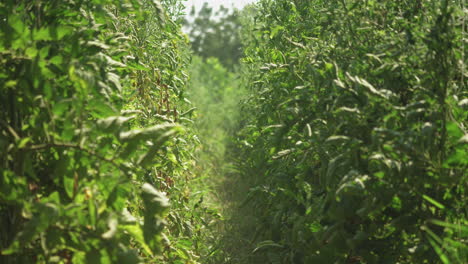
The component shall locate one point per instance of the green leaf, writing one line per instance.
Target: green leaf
(275, 31)
(16, 22)
(115, 80)
(153, 132)
(59, 32)
(283, 153)
(57, 60)
(136, 232)
(31, 52)
(460, 227)
(266, 244)
(156, 204)
(69, 184)
(454, 131)
(434, 202)
(155, 201)
(92, 210)
(60, 107)
(381, 92)
(147, 158)
(113, 123)
(188, 112)
(100, 109)
(457, 158)
(42, 34)
(118, 197)
(22, 143)
(338, 139)
(98, 44)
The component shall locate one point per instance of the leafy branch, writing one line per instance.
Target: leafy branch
(92, 153)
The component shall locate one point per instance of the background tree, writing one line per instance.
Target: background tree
(215, 34)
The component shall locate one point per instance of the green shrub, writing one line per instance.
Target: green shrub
(355, 137)
(90, 94)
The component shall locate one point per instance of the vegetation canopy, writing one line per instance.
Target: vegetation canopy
(287, 132)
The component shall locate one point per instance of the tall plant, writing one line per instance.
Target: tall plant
(355, 143)
(90, 96)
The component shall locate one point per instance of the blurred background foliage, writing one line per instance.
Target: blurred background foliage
(215, 33)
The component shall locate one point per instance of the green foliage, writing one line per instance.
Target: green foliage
(354, 143)
(215, 92)
(216, 34)
(90, 92)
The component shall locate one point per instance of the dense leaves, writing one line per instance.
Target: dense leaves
(354, 145)
(90, 96)
(350, 148)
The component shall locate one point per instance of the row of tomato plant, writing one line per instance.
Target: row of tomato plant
(353, 140)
